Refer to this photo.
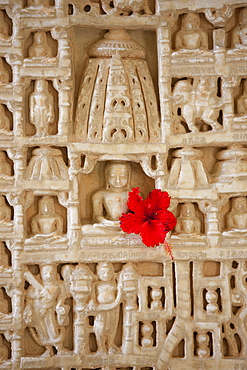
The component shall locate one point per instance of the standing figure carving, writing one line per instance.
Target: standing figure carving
(45, 312)
(41, 104)
(111, 202)
(106, 307)
(191, 36)
(40, 47)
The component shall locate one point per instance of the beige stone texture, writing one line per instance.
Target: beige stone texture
(98, 97)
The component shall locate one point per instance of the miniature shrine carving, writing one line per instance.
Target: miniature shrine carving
(98, 98)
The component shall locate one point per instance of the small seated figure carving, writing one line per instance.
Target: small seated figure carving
(111, 202)
(106, 305)
(4, 29)
(41, 108)
(6, 225)
(236, 219)
(45, 310)
(4, 122)
(239, 33)
(5, 167)
(191, 37)
(4, 75)
(242, 101)
(40, 47)
(188, 225)
(46, 225)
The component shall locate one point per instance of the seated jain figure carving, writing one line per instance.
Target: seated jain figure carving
(40, 47)
(41, 108)
(106, 307)
(47, 225)
(236, 219)
(239, 33)
(111, 202)
(188, 225)
(191, 36)
(45, 312)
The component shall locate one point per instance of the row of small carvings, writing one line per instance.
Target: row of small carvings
(99, 292)
(188, 166)
(195, 107)
(45, 218)
(193, 34)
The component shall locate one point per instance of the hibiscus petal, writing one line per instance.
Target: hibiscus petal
(157, 200)
(167, 218)
(152, 233)
(135, 201)
(131, 223)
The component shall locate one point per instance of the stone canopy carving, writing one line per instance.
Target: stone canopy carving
(96, 98)
(118, 84)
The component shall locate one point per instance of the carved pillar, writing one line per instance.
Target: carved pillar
(164, 52)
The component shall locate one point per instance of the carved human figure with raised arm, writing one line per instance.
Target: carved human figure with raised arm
(47, 221)
(45, 312)
(106, 306)
(41, 108)
(188, 224)
(191, 36)
(111, 202)
(236, 219)
(40, 47)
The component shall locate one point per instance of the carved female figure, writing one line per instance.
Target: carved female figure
(106, 305)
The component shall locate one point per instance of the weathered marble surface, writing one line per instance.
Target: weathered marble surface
(97, 97)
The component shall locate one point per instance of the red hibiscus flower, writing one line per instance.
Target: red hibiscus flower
(149, 218)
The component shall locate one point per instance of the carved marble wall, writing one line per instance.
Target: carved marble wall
(98, 97)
